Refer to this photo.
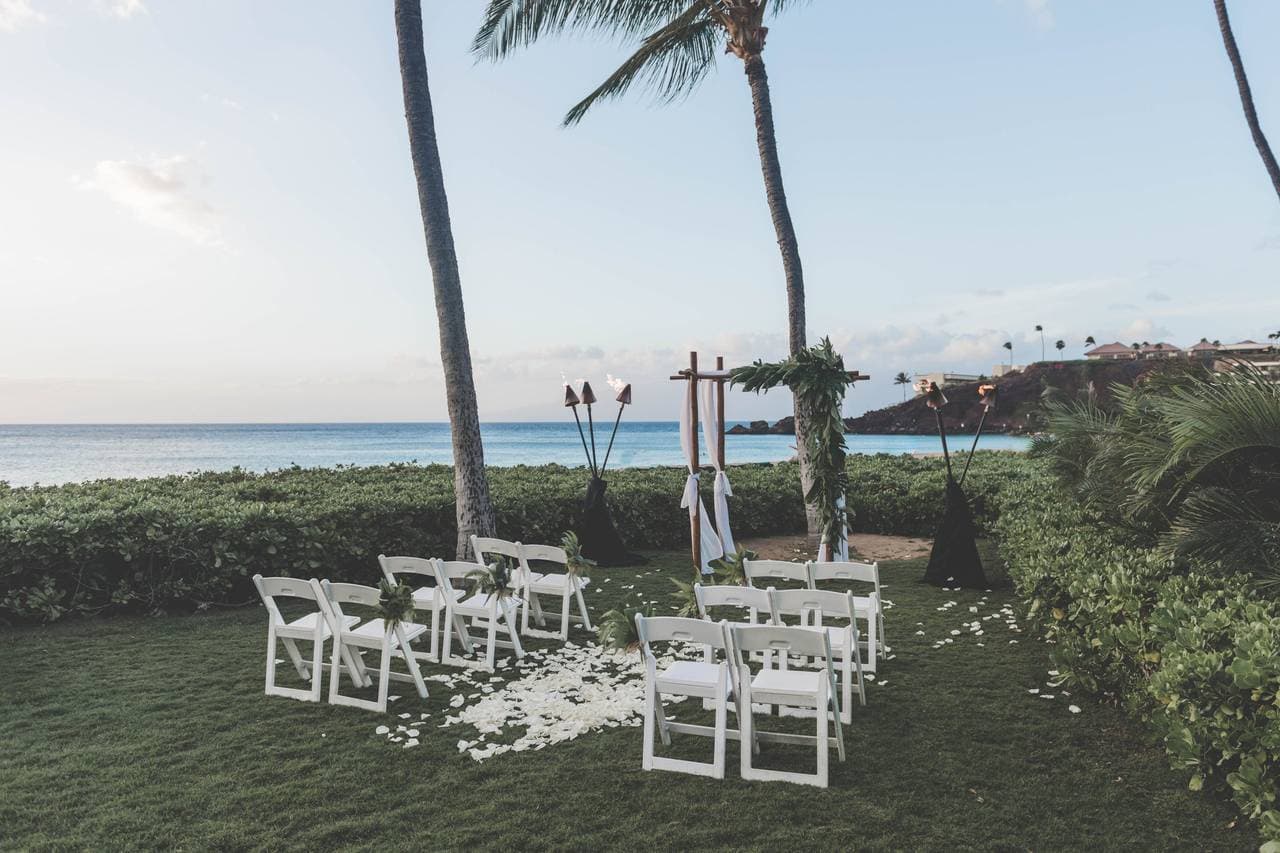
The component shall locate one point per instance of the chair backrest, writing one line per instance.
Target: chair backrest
(733, 595)
(483, 546)
(775, 570)
(453, 573)
(813, 602)
(780, 638)
(679, 629)
(392, 566)
(850, 572)
(338, 594)
(544, 554)
(271, 588)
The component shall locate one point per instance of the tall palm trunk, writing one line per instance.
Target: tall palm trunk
(1246, 95)
(471, 488)
(767, 142)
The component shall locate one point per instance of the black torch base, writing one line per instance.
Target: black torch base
(955, 560)
(596, 532)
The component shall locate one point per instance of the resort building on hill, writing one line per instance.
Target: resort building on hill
(1265, 357)
(942, 380)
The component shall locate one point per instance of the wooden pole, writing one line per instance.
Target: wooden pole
(720, 410)
(695, 522)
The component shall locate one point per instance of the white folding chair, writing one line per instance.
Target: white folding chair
(429, 599)
(313, 627)
(560, 584)
(869, 607)
(374, 634)
(790, 688)
(488, 549)
(755, 601)
(811, 605)
(706, 679)
(769, 572)
(488, 611)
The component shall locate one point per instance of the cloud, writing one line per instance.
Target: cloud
(126, 9)
(1041, 14)
(160, 193)
(16, 14)
(989, 292)
(1158, 296)
(1144, 330)
(229, 103)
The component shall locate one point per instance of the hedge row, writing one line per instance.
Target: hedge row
(154, 543)
(1196, 656)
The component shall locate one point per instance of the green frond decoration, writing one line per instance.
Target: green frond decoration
(685, 599)
(818, 379)
(729, 569)
(617, 629)
(395, 603)
(493, 579)
(576, 564)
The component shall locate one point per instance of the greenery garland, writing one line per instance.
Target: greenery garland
(493, 579)
(617, 629)
(395, 603)
(576, 564)
(819, 380)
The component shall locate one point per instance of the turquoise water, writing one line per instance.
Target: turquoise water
(52, 454)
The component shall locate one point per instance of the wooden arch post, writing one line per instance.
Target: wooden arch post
(691, 375)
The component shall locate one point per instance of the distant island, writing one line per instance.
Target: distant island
(1022, 398)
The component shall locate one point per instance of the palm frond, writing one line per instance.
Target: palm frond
(509, 25)
(671, 62)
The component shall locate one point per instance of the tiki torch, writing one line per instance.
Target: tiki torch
(624, 399)
(571, 402)
(935, 399)
(589, 397)
(987, 397)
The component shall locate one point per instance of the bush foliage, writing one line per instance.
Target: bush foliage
(183, 540)
(1194, 653)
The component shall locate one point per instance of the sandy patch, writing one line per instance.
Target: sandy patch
(866, 546)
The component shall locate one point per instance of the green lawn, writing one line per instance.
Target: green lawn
(152, 733)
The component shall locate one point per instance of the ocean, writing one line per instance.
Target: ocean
(52, 454)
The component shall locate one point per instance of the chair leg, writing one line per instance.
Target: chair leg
(846, 688)
(411, 662)
(335, 671)
(564, 615)
(433, 647)
(746, 728)
(492, 649)
(823, 703)
(271, 658)
(722, 725)
(384, 673)
(296, 656)
(582, 607)
(509, 618)
(663, 731)
(646, 756)
(317, 663)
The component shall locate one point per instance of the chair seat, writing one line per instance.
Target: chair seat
(373, 630)
(787, 681)
(866, 603)
(691, 674)
(478, 604)
(555, 583)
(307, 624)
(836, 636)
(426, 595)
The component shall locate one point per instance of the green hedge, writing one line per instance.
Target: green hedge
(150, 544)
(1195, 655)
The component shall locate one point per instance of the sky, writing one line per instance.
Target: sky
(208, 213)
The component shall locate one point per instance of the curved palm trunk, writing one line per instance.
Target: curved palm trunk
(767, 142)
(471, 488)
(1246, 95)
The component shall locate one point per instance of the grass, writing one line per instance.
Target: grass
(145, 733)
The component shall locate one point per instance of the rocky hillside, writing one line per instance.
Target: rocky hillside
(1021, 397)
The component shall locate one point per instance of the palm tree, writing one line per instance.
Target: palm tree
(1009, 346)
(903, 379)
(1090, 342)
(1061, 345)
(1040, 329)
(471, 489)
(678, 41)
(1246, 95)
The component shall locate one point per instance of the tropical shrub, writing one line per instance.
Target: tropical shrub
(1194, 653)
(151, 544)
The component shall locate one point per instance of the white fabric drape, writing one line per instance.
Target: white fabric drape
(691, 500)
(842, 550)
(710, 414)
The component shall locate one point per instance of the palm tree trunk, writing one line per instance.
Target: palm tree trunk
(1246, 95)
(471, 488)
(797, 337)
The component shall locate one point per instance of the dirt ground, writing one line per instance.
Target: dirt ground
(866, 546)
